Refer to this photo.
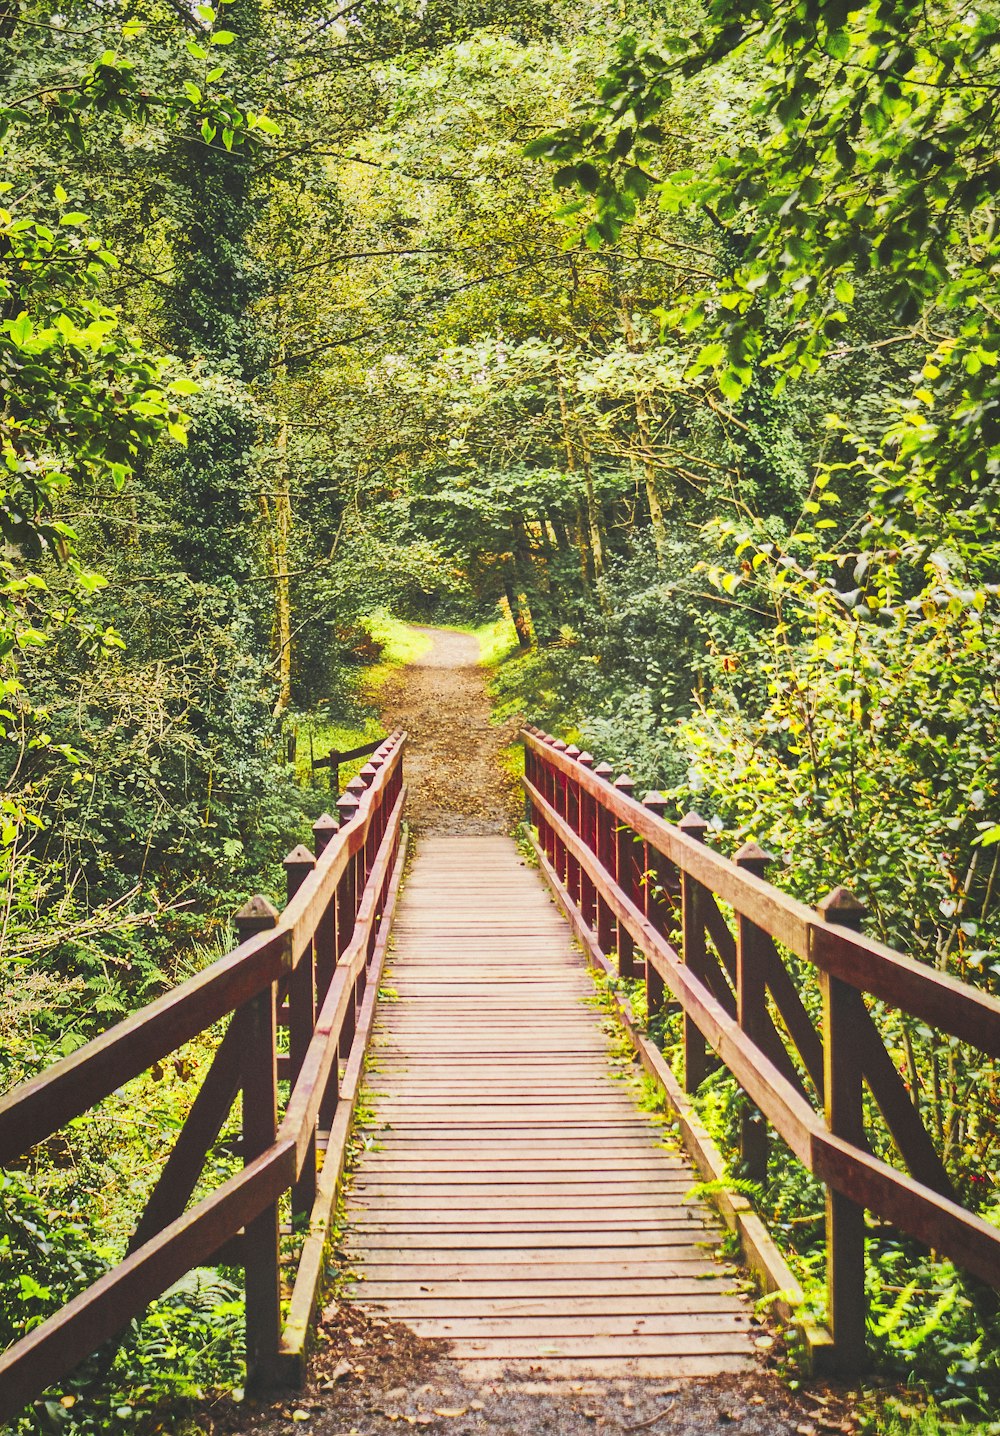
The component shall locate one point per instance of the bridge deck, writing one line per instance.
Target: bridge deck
(518, 1203)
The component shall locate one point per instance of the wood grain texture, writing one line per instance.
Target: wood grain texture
(515, 1201)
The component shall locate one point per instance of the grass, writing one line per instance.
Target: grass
(896, 1418)
(497, 641)
(401, 642)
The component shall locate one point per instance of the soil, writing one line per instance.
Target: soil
(454, 771)
(371, 1377)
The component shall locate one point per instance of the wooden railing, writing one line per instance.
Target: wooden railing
(314, 968)
(648, 893)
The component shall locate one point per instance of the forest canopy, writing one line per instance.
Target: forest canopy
(670, 328)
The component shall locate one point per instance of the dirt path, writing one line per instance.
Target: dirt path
(457, 782)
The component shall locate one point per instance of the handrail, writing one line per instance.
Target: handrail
(630, 880)
(325, 948)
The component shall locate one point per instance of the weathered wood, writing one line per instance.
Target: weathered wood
(753, 951)
(299, 864)
(694, 955)
(504, 1147)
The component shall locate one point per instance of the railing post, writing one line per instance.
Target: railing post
(845, 1219)
(657, 909)
(587, 828)
(626, 878)
(325, 829)
(694, 953)
(261, 1270)
(573, 821)
(606, 857)
(559, 803)
(548, 788)
(301, 1024)
(367, 776)
(347, 908)
(752, 952)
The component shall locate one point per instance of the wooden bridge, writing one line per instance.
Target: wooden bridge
(515, 1200)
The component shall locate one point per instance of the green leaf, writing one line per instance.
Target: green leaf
(223, 37)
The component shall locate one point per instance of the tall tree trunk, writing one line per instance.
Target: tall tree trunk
(282, 589)
(541, 618)
(587, 563)
(643, 426)
(520, 619)
(593, 512)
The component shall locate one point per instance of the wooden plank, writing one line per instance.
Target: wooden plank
(686, 1298)
(492, 1274)
(645, 1289)
(683, 1326)
(508, 1154)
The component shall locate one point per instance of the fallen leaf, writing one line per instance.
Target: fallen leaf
(450, 1410)
(300, 1415)
(806, 1429)
(477, 1405)
(764, 1343)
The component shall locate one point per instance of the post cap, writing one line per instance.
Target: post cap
(572, 751)
(656, 802)
(624, 784)
(357, 785)
(754, 858)
(347, 807)
(586, 760)
(559, 745)
(843, 908)
(693, 825)
(300, 857)
(604, 770)
(254, 916)
(325, 829)
(368, 772)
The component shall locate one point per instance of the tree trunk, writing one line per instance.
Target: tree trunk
(593, 513)
(521, 621)
(642, 423)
